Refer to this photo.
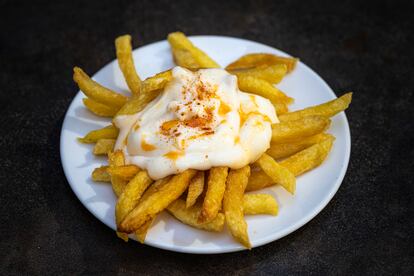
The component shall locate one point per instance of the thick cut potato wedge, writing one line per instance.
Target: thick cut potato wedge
(99, 109)
(262, 88)
(141, 233)
(103, 146)
(190, 216)
(257, 59)
(298, 164)
(279, 174)
(187, 55)
(195, 188)
(109, 132)
(258, 180)
(295, 130)
(309, 158)
(131, 195)
(150, 89)
(101, 174)
(327, 109)
(116, 159)
(259, 204)
(157, 81)
(283, 150)
(271, 73)
(216, 185)
(97, 92)
(126, 63)
(233, 204)
(155, 203)
(124, 172)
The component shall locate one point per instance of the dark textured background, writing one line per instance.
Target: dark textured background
(363, 47)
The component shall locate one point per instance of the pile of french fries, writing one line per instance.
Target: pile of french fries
(207, 199)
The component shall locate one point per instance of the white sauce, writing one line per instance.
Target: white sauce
(201, 120)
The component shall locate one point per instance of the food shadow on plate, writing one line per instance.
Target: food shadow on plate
(82, 113)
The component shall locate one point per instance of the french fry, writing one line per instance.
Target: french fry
(297, 164)
(258, 179)
(327, 109)
(99, 109)
(101, 174)
(233, 204)
(156, 82)
(97, 92)
(216, 185)
(116, 159)
(131, 195)
(103, 146)
(126, 63)
(262, 88)
(309, 158)
(156, 202)
(189, 215)
(195, 188)
(150, 89)
(108, 132)
(141, 233)
(187, 55)
(259, 204)
(271, 73)
(278, 173)
(283, 150)
(281, 108)
(295, 130)
(124, 172)
(257, 59)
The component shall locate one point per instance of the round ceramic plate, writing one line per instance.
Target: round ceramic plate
(314, 189)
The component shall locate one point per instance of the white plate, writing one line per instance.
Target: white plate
(314, 189)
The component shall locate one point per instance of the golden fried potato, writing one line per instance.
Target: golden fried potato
(126, 63)
(195, 188)
(278, 173)
(259, 204)
(262, 88)
(216, 185)
(97, 92)
(125, 172)
(189, 215)
(131, 195)
(258, 179)
(327, 109)
(283, 150)
(281, 108)
(150, 89)
(271, 73)
(155, 203)
(187, 55)
(108, 132)
(103, 146)
(258, 59)
(101, 174)
(116, 159)
(298, 129)
(309, 158)
(157, 82)
(141, 233)
(100, 109)
(233, 204)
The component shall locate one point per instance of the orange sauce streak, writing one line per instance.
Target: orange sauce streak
(224, 108)
(174, 155)
(147, 147)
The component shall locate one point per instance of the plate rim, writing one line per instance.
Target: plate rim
(265, 240)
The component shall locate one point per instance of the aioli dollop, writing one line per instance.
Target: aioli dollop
(200, 120)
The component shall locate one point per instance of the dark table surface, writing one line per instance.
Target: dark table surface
(363, 47)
